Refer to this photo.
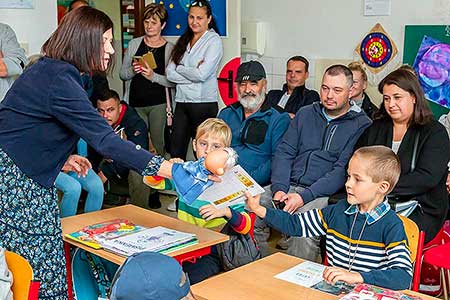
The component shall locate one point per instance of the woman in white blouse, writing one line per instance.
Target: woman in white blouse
(193, 67)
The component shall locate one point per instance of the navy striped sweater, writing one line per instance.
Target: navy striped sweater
(382, 254)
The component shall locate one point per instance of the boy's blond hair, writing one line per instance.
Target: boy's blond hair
(357, 67)
(217, 128)
(382, 164)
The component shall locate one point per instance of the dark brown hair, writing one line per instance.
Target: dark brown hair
(75, 1)
(183, 41)
(407, 81)
(336, 70)
(108, 94)
(155, 10)
(300, 58)
(78, 40)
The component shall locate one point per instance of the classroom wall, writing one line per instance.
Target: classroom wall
(112, 9)
(328, 29)
(32, 26)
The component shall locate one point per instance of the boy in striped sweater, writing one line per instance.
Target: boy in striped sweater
(212, 134)
(365, 239)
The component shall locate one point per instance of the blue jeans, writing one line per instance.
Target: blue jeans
(70, 184)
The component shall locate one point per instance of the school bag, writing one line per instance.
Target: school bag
(91, 275)
(239, 250)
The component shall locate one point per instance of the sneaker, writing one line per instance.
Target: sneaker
(282, 243)
(173, 205)
(153, 201)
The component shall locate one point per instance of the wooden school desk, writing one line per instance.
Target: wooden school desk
(256, 281)
(139, 216)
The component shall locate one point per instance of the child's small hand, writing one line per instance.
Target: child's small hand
(254, 206)
(176, 160)
(209, 212)
(332, 275)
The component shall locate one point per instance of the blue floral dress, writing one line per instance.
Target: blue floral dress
(30, 226)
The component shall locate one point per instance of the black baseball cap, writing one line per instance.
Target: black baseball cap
(251, 71)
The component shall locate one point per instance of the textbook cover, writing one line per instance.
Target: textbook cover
(370, 292)
(156, 239)
(94, 235)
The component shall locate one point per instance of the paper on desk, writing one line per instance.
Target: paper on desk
(305, 274)
(231, 189)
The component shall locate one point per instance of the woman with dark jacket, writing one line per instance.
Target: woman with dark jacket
(406, 124)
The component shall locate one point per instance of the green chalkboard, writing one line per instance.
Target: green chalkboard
(413, 38)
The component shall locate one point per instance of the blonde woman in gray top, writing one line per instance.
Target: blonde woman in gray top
(146, 87)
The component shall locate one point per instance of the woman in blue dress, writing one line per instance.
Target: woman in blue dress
(42, 117)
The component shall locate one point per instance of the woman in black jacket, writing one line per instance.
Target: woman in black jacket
(406, 124)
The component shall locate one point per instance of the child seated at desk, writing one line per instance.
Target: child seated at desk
(212, 134)
(150, 276)
(365, 239)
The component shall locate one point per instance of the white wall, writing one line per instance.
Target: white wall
(32, 26)
(329, 28)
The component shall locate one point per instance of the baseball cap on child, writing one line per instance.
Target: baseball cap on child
(150, 276)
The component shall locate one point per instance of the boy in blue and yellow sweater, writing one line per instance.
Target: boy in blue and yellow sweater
(212, 134)
(365, 239)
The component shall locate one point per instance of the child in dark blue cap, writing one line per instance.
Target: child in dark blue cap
(150, 276)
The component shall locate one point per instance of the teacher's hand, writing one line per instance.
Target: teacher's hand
(77, 164)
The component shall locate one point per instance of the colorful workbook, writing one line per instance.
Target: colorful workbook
(94, 235)
(230, 190)
(156, 239)
(369, 292)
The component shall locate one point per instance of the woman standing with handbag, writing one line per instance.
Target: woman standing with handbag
(193, 67)
(146, 88)
(405, 123)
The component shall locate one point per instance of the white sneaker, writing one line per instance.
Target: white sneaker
(173, 206)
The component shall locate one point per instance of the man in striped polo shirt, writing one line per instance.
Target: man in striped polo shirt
(365, 239)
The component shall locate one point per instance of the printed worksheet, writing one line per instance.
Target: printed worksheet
(230, 190)
(305, 274)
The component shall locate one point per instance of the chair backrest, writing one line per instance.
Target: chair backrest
(416, 240)
(22, 275)
(412, 233)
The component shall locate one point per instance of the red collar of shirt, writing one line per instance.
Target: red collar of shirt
(122, 113)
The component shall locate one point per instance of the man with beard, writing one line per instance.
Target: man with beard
(256, 127)
(309, 164)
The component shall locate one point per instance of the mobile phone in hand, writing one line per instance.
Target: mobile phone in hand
(278, 204)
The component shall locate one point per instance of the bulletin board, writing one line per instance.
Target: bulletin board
(178, 11)
(413, 38)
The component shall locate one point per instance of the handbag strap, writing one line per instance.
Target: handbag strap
(169, 113)
(414, 154)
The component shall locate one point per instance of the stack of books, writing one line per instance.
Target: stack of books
(124, 238)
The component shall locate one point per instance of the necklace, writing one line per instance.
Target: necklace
(352, 257)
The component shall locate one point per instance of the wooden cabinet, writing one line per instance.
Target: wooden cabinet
(131, 20)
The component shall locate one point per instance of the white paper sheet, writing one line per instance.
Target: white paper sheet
(231, 189)
(377, 7)
(305, 274)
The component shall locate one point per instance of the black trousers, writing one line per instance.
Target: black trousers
(186, 119)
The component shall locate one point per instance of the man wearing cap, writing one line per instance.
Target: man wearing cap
(310, 162)
(256, 127)
(294, 93)
(150, 276)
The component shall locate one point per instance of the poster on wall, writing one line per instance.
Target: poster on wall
(432, 65)
(178, 11)
(17, 4)
(414, 35)
(378, 52)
